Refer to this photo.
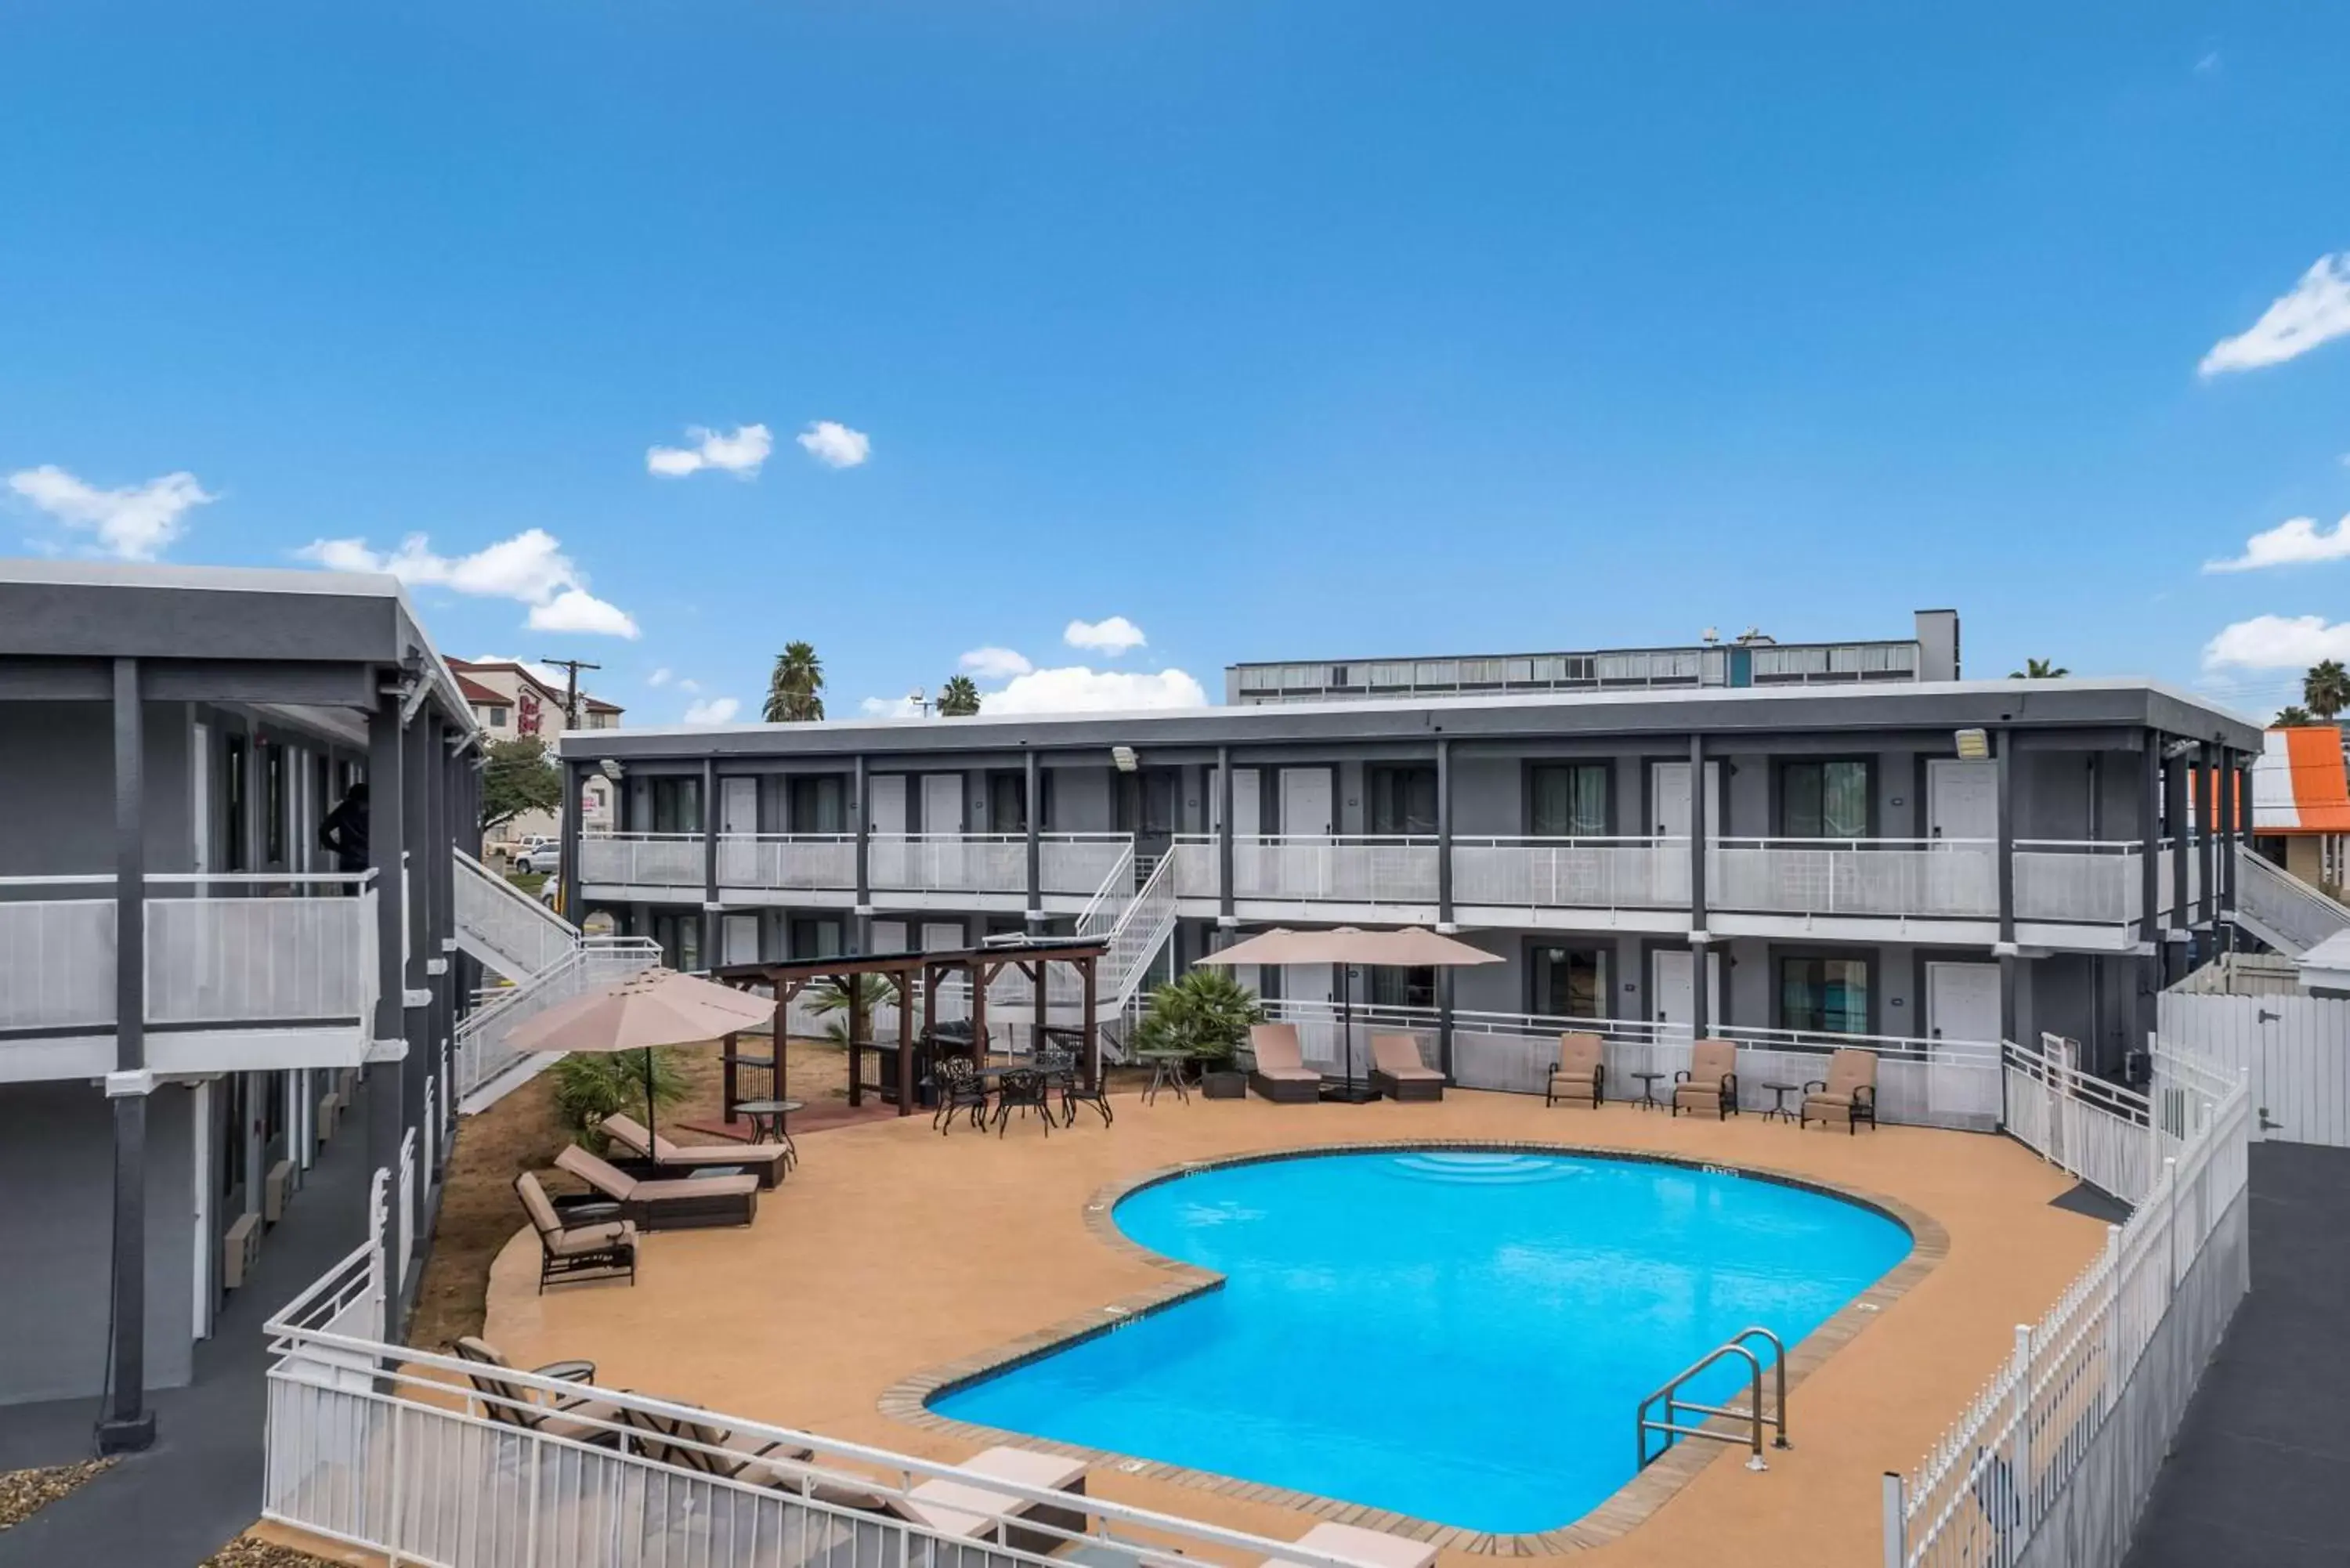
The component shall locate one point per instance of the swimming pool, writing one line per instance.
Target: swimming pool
(1458, 1335)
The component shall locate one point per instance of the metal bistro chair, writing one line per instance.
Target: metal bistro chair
(1060, 1070)
(1023, 1088)
(960, 1088)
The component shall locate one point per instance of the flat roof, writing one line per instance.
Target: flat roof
(2069, 703)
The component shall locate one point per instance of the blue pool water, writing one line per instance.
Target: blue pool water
(1459, 1336)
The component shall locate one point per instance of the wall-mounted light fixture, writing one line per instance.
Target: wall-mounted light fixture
(1124, 758)
(610, 768)
(1974, 745)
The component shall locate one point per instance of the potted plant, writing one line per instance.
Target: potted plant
(1203, 1016)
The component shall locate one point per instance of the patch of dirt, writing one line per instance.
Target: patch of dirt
(24, 1492)
(252, 1552)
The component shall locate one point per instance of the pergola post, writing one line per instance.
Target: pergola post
(1092, 1028)
(905, 1050)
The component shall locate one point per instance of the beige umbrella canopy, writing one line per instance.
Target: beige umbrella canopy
(1411, 947)
(660, 1007)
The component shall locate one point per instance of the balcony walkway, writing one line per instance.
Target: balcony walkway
(176, 1504)
(2261, 1472)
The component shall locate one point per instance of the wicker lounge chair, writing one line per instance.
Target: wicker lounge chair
(666, 1205)
(512, 1404)
(574, 1250)
(1711, 1082)
(765, 1160)
(1397, 1071)
(1371, 1548)
(1581, 1073)
(1281, 1073)
(1848, 1093)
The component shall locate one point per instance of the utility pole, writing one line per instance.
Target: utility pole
(571, 692)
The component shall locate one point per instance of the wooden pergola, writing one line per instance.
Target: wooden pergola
(1032, 957)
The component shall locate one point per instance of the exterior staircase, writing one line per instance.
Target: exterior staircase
(2279, 909)
(546, 961)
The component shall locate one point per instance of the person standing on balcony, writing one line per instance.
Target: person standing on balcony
(344, 831)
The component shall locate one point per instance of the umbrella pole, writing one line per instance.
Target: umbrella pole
(650, 1131)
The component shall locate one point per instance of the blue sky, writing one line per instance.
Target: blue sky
(1276, 331)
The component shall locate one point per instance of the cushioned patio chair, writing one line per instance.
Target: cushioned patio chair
(1281, 1073)
(1371, 1548)
(1397, 1071)
(1848, 1093)
(765, 1160)
(666, 1205)
(511, 1404)
(965, 1510)
(712, 1450)
(572, 1249)
(1710, 1084)
(1581, 1073)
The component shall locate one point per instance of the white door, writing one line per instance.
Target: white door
(1962, 1001)
(738, 806)
(1669, 796)
(1962, 799)
(890, 937)
(941, 803)
(739, 938)
(1248, 804)
(1670, 1000)
(885, 804)
(1304, 803)
(942, 936)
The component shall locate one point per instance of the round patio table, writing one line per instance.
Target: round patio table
(770, 1123)
(1166, 1068)
(1779, 1093)
(1648, 1100)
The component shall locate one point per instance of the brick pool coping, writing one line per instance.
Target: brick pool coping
(909, 1399)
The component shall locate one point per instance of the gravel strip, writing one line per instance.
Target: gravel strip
(245, 1552)
(22, 1492)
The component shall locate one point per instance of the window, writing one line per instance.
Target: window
(668, 805)
(233, 852)
(1151, 796)
(1569, 982)
(273, 803)
(1389, 985)
(679, 937)
(1569, 800)
(1824, 800)
(497, 717)
(818, 803)
(817, 937)
(1403, 800)
(1824, 995)
(1007, 803)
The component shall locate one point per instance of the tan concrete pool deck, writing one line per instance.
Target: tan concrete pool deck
(894, 1257)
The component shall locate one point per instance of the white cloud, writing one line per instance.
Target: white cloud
(893, 707)
(1113, 637)
(740, 454)
(1076, 689)
(2315, 312)
(834, 444)
(659, 678)
(2296, 542)
(136, 523)
(689, 685)
(2208, 63)
(530, 568)
(712, 710)
(994, 663)
(2278, 642)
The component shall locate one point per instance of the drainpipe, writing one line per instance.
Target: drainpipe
(1032, 786)
(388, 1048)
(2005, 948)
(1700, 1023)
(864, 820)
(1444, 921)
(709, 905)
(127, 1424)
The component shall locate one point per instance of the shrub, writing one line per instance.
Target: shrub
(589, 1087)
(1205, 1014)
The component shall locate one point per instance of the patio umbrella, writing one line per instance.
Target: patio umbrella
(1412, 946)
(660, 1007)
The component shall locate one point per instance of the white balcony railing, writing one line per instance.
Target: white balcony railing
(1571, 873)
(2078, 880)
(527, 935)
(812, 861)
(1934, 878)
(642, 859)
(1318, 869)
(256, 949)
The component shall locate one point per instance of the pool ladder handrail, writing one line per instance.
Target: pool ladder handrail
(1754, 1414)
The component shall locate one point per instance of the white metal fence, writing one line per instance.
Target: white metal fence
(642, 859)
(2296, 1050)
(1571, 873)
(2053, 1461)
(57, 956)
(524, 935)
(1860, 877)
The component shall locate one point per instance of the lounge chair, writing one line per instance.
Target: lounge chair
(1711, 1082)
(1848, 1093)
(1371, 1548)
(666, 1205)
(511, 1404)
(1281, 1073)
(575, 1249)
(1397, 1071)
(1581, 1073)
(711, 1450)
(958, 1508)
(765, 1160)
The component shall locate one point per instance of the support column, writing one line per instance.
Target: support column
(2207, 844)
(126, 1424)
(2149, 889)
(1700, 1019)
(2174, 822)
(1033, 814)
(387, 839)
(1444, 921)
(568, 824)
(1224, 916)
(416, 759)
(2005, 948)
(860, 810)
(439, 854)
(711, 958)
(2240, 809)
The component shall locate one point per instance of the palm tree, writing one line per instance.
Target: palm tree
(2039, 669)
(796, 690)
(2293, 718)
(959, 697)
(2326, 690)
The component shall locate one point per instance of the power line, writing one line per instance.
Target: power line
(571, 692)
